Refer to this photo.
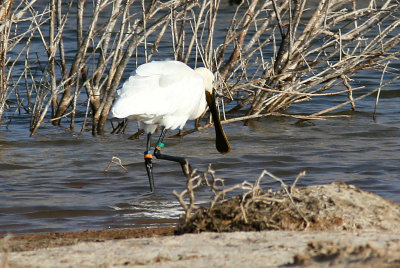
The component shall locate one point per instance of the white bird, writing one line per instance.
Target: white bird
(167, 94)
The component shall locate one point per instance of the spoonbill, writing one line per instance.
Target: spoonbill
(166, 94)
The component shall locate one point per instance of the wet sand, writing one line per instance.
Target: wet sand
(161, 248)
(334, 225)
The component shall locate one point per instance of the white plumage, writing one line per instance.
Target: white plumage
(163, 93)
(167, 94)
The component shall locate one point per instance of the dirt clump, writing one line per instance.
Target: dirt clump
(341, 254)
(333, 207)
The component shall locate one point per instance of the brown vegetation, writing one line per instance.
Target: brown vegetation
(334, 207)
(270, 55)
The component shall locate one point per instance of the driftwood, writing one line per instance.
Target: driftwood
(332, 207)
(271, 55)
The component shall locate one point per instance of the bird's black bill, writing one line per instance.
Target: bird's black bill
(221, 141)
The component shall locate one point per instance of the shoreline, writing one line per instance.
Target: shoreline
(26, 242)
(159, 247)
(334, 225)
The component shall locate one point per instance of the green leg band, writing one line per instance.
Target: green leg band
(160, 145)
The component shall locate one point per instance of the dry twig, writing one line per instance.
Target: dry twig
(247, 203)
(117, 161)
(272, 54)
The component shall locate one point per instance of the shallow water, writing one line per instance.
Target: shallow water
(55, 181)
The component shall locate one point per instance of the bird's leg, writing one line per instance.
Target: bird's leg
(148, 156)
(181, 160)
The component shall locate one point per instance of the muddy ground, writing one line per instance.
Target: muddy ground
(47, 240)
(335, 225)
(235, 249)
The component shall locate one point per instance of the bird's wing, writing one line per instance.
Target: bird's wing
(159, 89)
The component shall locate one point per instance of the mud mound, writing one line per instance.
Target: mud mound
(334, 207)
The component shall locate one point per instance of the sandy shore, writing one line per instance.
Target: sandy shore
(239, 249)
(351, 228)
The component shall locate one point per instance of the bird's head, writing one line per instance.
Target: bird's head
(222, 142)
(208, 78)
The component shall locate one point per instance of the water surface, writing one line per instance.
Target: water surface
(55, 181)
